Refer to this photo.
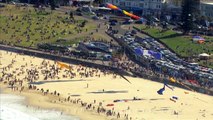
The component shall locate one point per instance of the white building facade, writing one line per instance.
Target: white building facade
(152, 7)
(206, 9)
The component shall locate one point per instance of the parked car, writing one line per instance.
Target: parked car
(113, 20)
(79, 14)
(133, 32)
(126, 22)
(112, 23)
(94, 17)
(139, 22)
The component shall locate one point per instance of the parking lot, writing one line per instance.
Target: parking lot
(153, 56)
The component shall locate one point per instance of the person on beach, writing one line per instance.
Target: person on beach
(33, 73)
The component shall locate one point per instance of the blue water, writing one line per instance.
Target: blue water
(12, 107)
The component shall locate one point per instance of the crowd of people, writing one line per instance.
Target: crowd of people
(35, 29)
(25, 77)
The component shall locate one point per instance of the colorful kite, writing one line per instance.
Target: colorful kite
(113, 7)
(168, 86)
(172, 79)
(160, 92)
(62, 65)
(191, 81)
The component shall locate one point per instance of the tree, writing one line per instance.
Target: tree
(52, 4)
(72, 16)
(189, 11)
(149, 21)
(65, 2)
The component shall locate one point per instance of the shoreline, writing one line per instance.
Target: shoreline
(44, 102)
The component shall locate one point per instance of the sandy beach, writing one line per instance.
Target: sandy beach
(91, 93)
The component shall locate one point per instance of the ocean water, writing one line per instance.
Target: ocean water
(12, 107)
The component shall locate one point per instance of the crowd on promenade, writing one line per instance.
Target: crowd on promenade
(26, 76)
(151, 68)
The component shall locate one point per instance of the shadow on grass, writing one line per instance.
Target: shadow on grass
(171, 36)
(53, 81)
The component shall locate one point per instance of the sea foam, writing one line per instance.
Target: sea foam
(12, 107)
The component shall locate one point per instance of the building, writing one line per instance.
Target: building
(206, 9)
(174, 7)
(114, 2)
(176, 3)
(139, 7)
(171, 9)
(152, 7)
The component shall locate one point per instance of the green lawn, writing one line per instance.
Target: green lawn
(27, 27)
(182, 45)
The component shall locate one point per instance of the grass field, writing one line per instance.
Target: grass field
(182, 45)
(25, 26)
